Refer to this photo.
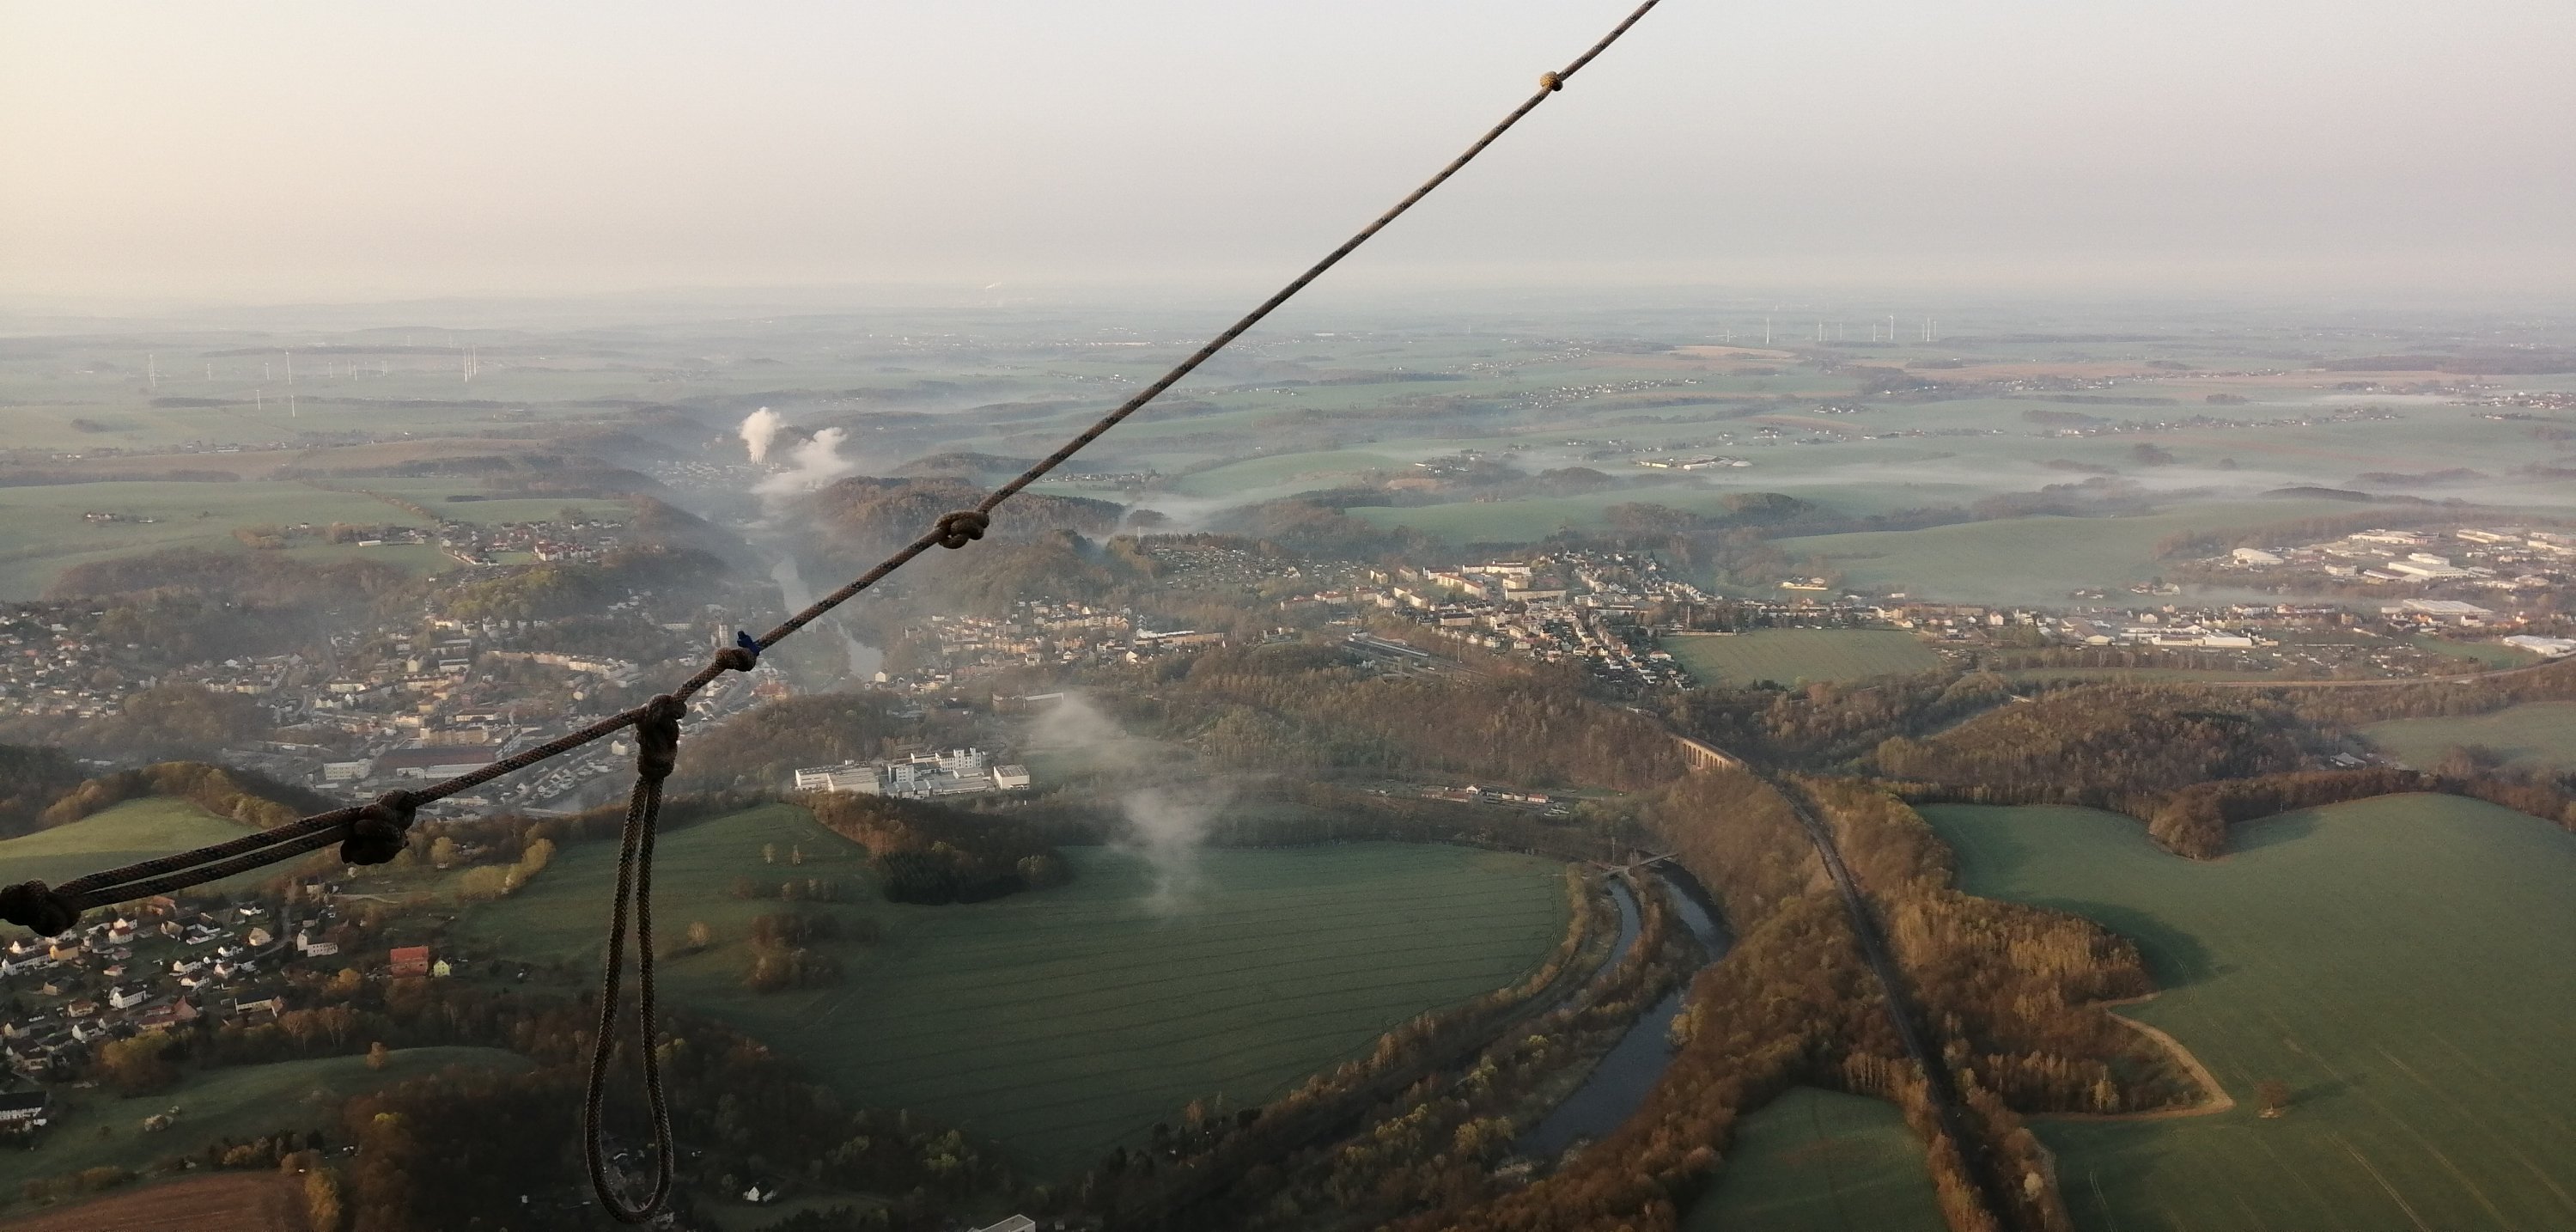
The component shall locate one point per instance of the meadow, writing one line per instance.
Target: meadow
(2539, 736)
(1821, 1161)
(135, 830)
(43, 533)
(1067, 1021)
(1787, 656)
(2028, 560)
(2402, 963)
(239, 1103)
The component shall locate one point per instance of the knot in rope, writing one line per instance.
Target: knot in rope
(380, 830)
(1551, 81)
(657, 737)
(742, 656)
(45, 912)
(958, 529)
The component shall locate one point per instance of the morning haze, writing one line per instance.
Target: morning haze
(1924, 618)
(335, 152)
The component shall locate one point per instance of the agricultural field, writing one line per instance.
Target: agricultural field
(2033, 560)
(224, 1202)
(1791, 655)
(2539, 736)
(43, 533)
(238, 1102)
(135, 830)
(1067, 1021)
(2402, 963)
(1821, 1161)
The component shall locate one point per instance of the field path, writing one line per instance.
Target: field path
(2218, 1101)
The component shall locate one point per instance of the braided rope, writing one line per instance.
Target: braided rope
(657, 748)
(375, 833)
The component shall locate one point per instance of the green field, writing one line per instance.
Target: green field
(238, 1103)
(1791, 655)
(134, 830)
(43, 533)
(1300, 470)
(2539, 736)
(2404, 963)
(2028, 560)
(2492, 654)
(1821, 1161)
(1066, 1021)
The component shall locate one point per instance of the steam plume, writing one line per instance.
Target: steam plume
(1168, 825)
(814, 459)
(759, 430)
(1165, 824)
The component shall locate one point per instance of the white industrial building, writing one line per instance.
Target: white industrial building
(922, 776)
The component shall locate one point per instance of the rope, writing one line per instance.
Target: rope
(377, 832)
(657, 740)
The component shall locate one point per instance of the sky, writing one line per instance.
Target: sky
(304, 152)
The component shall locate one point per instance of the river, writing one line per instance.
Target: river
(864, 659)
(1632, 1066)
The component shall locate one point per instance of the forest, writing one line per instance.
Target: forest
(928, 853)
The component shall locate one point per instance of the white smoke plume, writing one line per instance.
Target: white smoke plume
(1168, 826)
(811, 460)
(1074, 725)
(760, 430)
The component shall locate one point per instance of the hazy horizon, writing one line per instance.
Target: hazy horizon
(316, 154)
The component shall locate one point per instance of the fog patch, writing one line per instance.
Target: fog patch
(1167, 824)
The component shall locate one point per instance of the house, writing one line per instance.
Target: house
(1016, 1223)
(408, 960)
(271, 1005)
(762, 1193)
(22, 1111)
(169, 1014)
(258, 937)
(126, 998)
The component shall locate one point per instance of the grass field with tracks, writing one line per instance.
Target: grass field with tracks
(1791, 655)
(1066, 1021)
(1821, 1161)
(2539, 736)
(2404, 963)
(123, 834)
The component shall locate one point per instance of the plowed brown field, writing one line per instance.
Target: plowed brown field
(233, 1202)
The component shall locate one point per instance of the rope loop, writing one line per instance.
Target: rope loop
(657, 737)
(380, 830)
(958, 529)
(44, 912)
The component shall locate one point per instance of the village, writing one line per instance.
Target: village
(160, 966)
